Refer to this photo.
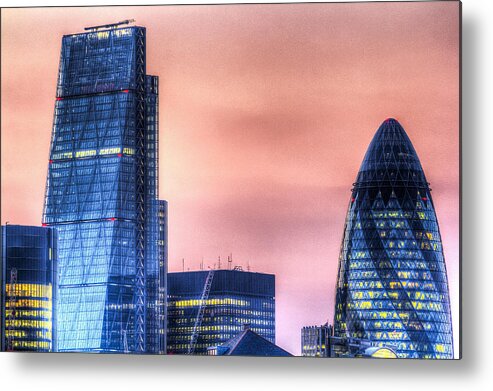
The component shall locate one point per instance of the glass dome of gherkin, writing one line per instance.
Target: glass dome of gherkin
(392, 283)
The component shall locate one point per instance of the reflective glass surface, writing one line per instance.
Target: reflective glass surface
(392, 283)
(236, 298)
(28, 291)
(101, 194)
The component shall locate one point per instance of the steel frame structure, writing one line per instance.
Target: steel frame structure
(200, 311)
(392, 286)
(102, 193)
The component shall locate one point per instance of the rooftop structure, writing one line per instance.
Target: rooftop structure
(248, 343)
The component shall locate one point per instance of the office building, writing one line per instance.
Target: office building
(28, 281)
(208, 308)
(102, 193)
(319, 341)
(315, 340)
(392, 282)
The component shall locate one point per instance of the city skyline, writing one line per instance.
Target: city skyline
(261, 167)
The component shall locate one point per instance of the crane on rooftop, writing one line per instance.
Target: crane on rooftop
(109, 26)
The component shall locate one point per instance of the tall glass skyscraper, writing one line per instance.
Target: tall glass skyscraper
(392, 283)
(102, 193)
(28, 271)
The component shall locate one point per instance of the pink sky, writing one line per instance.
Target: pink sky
(266, 112)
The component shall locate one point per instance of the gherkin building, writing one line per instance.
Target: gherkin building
(392, 282)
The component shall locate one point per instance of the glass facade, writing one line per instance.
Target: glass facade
(163, 271)
(28, 282)
(102, 194)
(236, 299)
(392, 283)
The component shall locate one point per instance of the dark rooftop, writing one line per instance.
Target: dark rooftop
(249, 343)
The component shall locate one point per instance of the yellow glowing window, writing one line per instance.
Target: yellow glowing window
(62, 155)
(358, 295)
(103, 34)
(109, 151)
(440, 348)
(87, 153)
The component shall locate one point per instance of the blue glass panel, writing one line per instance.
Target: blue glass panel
(392, 284)
(102, 194)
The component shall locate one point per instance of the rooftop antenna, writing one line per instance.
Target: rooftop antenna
(202, 264)
(109, 26)
(183, 264)
(248, 265)
(230, 261)
(219, 260)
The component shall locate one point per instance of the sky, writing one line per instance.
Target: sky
(266, 112)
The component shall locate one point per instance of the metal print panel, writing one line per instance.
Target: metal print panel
(204, 210)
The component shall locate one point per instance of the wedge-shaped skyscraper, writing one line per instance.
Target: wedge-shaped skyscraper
(392, 283)
(101, 194)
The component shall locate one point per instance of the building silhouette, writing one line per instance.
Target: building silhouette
(208, 308)
(28, 281)
(392, 284)
(248, 343)
(102, 193)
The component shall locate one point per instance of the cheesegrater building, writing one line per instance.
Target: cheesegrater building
(102, 194)
(208, 308)
(392, 283)
(28, 271)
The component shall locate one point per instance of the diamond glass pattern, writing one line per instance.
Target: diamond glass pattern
(102, 194)
(392, 283)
